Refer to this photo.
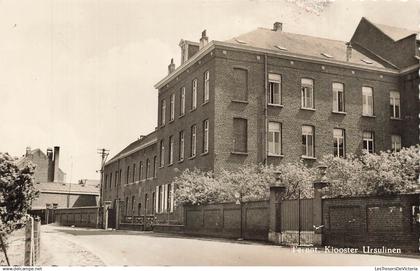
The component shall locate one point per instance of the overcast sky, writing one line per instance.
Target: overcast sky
(80, 74)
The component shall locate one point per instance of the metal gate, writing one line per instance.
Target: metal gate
(296, 221)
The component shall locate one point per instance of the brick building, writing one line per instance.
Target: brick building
(49, 180)
(269, 96)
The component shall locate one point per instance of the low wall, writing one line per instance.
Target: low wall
(79, 217)
(377, 222)
(249, 220)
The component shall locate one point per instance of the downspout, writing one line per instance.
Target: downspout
(265, 110)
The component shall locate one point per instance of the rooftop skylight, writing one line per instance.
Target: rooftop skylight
(240, 41)
(327, 55)
(281, 47)
(367, 61)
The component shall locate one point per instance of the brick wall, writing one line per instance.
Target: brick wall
(79, 217)
(371, 221)
(74, 200)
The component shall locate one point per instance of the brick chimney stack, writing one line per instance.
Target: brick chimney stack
(28, 151)
(204, 40)
(56, 162)
(348, 51)
(50, 177)
(171, 66)
(277, 26)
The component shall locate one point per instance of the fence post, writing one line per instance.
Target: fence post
(276, 194)
(29, 242)
(317, 211)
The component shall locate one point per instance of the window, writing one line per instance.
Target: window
(274, 138)
(338, 142)
(162, 112)
(369, 142)
(168, 197)
(395, 142)
(206, 93)
(106, 181)
(193, 140)
(205, 136)
(367, 93)
(126, 206)
(240, 84)
(154, 201)
(154, 166)
(162, 153)
(308, 141)
(182, 101)
(171, 209)
(116, 178)
(141, 170)
(171, 150)
(134, 171)
(110, 180)
(128, 174)
(274, 89)
(160, 198)
(132, 205)
(119, 177)
(194, 94)
(338, 97)
(307, 92)
(147, 168)
(240, 135)
(181, 146)
(172, 107)
(395, 104)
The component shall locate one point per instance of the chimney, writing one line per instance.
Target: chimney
(348, 51)
(28, 151)
(203, 40)
(188, 49)
(56, 162)
(50, 177)
(171, 67)
(142, 137)
(277, 26)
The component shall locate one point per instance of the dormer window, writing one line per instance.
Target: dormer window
(240, 41)
(281, 48)
(366, 61)
(326, 55)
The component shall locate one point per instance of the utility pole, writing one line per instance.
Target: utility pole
(104, 155)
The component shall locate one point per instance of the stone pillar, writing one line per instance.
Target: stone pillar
(317, 211)
(274, 233)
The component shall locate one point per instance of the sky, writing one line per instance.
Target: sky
(79, 74)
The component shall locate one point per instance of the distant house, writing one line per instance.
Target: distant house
(49, 181)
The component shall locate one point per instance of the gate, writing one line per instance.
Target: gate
(296, 221)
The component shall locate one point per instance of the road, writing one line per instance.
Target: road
(79, 246)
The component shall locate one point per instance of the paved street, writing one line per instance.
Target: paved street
(77, 246)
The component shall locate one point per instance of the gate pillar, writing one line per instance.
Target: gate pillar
(317, 211)
(276, 194)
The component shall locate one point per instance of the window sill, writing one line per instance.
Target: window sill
(170, 121)
(240, 102)
(238, 153)
(275, 155)
(308, 157)
(369, 116)
(308, 109)
(193, 109)
(191, 157)
(171, 164)
(181, 160)
(162, 125)
(395, 118)
(180, 116)
(205, 102)
(204, 153)
(275, 105)
(339, 112)
(161, 166)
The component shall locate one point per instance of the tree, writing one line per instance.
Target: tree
(16, 193)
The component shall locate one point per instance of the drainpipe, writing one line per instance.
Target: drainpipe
(265, 110)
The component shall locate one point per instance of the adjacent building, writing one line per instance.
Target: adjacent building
(49, 180)
(270, 97)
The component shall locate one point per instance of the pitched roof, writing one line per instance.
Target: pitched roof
(393, 32)
(65, 188)
(303, 45)
(135, 146)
